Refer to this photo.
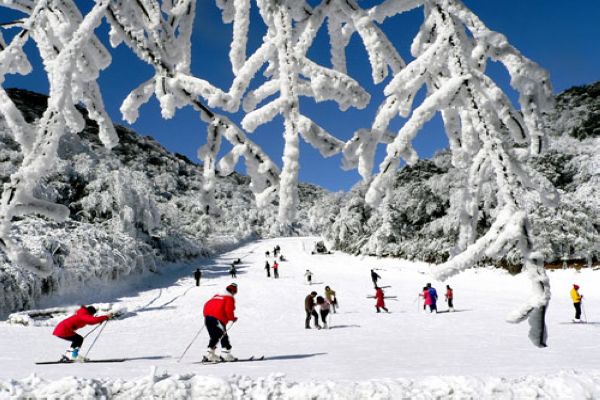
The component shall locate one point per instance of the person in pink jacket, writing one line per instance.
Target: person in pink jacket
(427, 299)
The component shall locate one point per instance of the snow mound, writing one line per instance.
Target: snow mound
(562, 385)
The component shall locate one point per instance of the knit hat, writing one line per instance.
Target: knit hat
(232, 288)
(576, 286)
(91, 309)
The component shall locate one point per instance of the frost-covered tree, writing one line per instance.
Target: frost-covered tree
(451, 51)
(488, 137)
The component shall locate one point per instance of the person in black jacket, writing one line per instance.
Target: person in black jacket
(374, 277)
(197, 276)
(309, 307)
(268, 268)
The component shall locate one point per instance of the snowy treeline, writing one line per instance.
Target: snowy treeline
(131, 209)
(420, 219)
(489, 138)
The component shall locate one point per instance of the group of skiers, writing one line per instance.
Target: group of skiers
(326, 305)
(220, 310)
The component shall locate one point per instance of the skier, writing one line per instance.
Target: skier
(379, 297)
(267, 253)
(233, 271)
(218, 311)
(433, 295)
(268, 268)
(309, 307)
(308, 276)
(275, 270)
(450, 298)
(67, 327)
(197, 276)
(576, 297)
(331, 298)
(374, 277)
(324, 307)
(426, 298)
(282, 258)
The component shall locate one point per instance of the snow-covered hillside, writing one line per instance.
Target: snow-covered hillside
(132, 209)
(469, 354)
(420, 220)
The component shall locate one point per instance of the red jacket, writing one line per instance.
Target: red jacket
(222, 307)
(379, 297)
(82, 317)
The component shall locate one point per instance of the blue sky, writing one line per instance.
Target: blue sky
(561, 36)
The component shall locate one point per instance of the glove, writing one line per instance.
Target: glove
(235, 319)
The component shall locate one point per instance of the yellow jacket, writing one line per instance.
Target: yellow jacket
(575, 296)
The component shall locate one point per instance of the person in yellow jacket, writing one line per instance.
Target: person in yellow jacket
(576, 297)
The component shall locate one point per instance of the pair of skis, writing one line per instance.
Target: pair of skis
(117, 360)
(221, 360)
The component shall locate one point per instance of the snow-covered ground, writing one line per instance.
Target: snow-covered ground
(472, 353)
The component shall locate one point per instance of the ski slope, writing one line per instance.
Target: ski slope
(471, 353)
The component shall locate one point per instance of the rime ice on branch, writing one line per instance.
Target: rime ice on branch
(162, 38)
(487, 136)
(485, 132)
(72, 57)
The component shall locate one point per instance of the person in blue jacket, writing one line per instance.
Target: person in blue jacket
(434, 296)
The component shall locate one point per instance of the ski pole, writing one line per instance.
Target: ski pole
(96, 338)
(90, 332)
(190, 345)
(583, 309)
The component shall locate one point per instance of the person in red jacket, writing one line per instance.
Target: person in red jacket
(218, 311)
(379, 297)
(66, 329)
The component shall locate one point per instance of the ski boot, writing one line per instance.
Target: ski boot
(211, 356)
(76, 357)
(227, 356)
(67, 357)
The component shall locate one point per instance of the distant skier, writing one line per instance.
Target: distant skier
(197, 276)
(67, 327)
(309, 307)
(450, 298)
(282, 258)
(379, 296)
(331, 298)
(324, 307)
(233, 271)
(374, 277)
(275, 270)
(237, 261)
(267, 253)
(218, 311)
(577, 298)
(268, 268)
(426, 298)
(433, 295)
(308, 275)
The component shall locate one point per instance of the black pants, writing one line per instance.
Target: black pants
(324, 314)
(216, 332)
(197, 282)
(308, 315)
(450, 303)
(268, 273)
(276, 273)
(577, 310)
(76, 340)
